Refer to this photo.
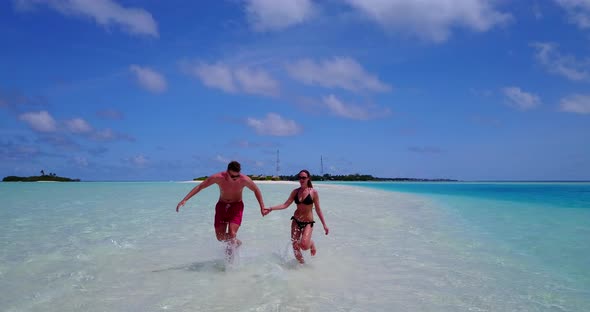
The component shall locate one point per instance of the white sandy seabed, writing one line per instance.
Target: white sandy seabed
(124, 248)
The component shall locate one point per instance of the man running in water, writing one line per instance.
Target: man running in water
(229, 208)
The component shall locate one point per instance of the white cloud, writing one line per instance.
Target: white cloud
(520, 99)
(135, 21)
(40, 121)
(274, 125)
(105, 135)
(250, 144)
(578, 11)
(537, 13)
(339, 72)
(577, 103)
(139, 160)
(232, 80)
(110, 135)
(257, 82)
(351, 111)
(431, 19)
(268, 15)
(222, 159)
(149, 79)
(564, 65)
(216, 75)
(78, 125)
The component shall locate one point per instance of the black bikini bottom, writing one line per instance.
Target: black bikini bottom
(302, 224)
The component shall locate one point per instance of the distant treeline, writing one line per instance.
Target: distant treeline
(359, 177)
(328, 177)
(38, 178)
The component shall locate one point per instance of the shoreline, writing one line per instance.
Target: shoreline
(257, 182)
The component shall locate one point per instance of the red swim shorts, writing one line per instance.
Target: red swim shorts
(228, 213)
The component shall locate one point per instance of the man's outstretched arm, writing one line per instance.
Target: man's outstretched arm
(208, 182)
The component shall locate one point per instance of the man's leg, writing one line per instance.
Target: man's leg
(236, 212)
(220, 223)
(233, 233)
(227, 233)
(221, 232)
(229, 239)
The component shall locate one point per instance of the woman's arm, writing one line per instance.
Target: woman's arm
(287, 203)
(318, 210)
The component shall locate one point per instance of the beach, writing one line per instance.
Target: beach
(110, 246)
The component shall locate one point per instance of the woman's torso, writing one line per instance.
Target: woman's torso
(304, 201)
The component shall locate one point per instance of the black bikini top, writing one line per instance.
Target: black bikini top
(307, 200)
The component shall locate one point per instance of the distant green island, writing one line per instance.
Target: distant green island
(348, 177)
(44, 178)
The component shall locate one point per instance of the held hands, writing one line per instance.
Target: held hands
(265, 211)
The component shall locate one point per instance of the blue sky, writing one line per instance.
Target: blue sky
(172, 90)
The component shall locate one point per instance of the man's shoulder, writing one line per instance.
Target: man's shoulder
(218, 175)
(246, 178)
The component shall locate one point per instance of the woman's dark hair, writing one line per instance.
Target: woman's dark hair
(234, 166)
(308, 177)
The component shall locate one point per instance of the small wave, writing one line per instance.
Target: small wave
(123, 245)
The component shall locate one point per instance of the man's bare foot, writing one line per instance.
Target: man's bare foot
(312, 249)
(233, 242)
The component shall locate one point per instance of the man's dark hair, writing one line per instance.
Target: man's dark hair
(234, 166)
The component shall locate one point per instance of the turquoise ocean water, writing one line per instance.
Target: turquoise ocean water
(544, 225)
(107, 246)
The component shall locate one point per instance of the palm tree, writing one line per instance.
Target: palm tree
(42, 172)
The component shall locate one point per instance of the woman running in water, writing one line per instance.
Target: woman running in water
(305, 198)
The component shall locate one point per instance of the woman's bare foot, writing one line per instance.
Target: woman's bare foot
(312, 249)
(299, 257)
(298, 254)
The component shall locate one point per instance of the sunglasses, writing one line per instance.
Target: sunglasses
(302, 178)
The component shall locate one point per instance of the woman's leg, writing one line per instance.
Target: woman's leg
(306, 241)
(295, 236)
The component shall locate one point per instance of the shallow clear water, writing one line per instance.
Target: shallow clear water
(544, 227)
(556, 194)
(122, 247)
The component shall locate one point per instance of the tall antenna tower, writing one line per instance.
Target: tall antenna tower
(278, 162)
(322, 165)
